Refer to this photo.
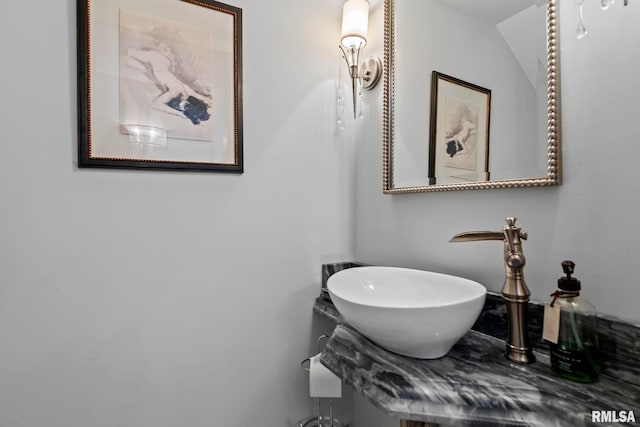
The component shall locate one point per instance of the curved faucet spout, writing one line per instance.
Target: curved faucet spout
(476, 236)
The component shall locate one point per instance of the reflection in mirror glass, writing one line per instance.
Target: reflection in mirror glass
(486, 124)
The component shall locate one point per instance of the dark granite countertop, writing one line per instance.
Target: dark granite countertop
(474, 385)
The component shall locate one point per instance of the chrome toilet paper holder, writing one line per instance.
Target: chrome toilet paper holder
(308, 359)
(319, 420)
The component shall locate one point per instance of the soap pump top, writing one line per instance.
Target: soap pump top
(568, 286)
(568, 283)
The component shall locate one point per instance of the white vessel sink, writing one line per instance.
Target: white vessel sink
(410, 312)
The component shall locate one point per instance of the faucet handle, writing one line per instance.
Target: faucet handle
(511, 225)
(512, 235)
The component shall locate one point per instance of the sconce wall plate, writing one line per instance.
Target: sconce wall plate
(371, 72)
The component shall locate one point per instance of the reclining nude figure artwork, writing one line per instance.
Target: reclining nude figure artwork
(165, 76)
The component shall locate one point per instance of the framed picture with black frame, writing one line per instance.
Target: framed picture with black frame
(459, 131)
(160, 85)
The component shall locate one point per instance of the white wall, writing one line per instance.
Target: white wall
(157, 298)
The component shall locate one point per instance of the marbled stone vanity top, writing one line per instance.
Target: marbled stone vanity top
(325, 307)
(474, 385)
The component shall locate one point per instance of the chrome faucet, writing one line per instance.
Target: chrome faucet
(515, 291)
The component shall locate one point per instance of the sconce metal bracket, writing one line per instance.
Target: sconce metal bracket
(371, 72)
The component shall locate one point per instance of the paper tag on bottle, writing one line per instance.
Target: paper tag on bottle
(551, 325)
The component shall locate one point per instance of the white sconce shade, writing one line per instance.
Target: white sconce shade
(355, 23)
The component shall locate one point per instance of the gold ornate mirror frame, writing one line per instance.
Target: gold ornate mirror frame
(553, 176)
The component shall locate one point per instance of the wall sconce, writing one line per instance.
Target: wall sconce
(355, 25)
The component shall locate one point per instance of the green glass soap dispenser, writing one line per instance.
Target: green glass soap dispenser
(576, 354)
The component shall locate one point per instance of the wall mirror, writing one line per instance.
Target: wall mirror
(471, 95)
